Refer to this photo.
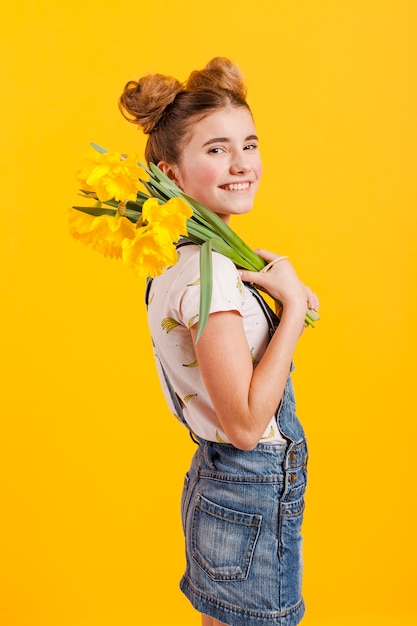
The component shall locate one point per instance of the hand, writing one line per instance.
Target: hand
(281, 282)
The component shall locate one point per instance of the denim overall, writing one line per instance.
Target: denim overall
(242, 513)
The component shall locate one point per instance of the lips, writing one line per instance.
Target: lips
(236, 186)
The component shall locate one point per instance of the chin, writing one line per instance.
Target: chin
(226, 215)
(241, 210)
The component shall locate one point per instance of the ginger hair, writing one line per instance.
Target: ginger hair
(166, 109)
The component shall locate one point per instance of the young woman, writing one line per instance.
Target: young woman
(242, 502)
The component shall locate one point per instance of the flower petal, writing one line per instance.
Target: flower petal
(104, 232)
(150, 253)
(172, 216)
(111, 175)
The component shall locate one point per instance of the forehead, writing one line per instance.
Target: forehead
(230, 122)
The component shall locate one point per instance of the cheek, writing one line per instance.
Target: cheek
(199, 180)
(212, 175)
(207, 175)
(258, 168)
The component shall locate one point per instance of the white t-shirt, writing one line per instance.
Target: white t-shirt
(174, 301)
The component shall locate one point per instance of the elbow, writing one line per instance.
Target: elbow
(244, 430)
(248, 446)
(243, 433)
(245, 441)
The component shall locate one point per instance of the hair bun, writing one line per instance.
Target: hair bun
(144, 102)
(219, 73)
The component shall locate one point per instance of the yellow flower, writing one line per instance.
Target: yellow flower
(110, 175)
(171, 216)
(150, 252)
(104, 232)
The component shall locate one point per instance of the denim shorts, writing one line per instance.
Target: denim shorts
(242, 513)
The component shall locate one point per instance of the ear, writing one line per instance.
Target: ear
(169, 170)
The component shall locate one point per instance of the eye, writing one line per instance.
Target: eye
(251, 146)
(216, 150)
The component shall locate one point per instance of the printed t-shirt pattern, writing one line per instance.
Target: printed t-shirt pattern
(173, 308)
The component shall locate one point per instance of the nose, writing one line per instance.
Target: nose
(240, 165)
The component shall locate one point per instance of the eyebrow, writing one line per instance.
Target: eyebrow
(227, 140)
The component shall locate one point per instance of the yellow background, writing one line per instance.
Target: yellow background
(91, 462)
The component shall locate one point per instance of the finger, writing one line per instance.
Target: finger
(273, 262)
(315, 303)
(266, 255)
(247, 276)
(312, 300)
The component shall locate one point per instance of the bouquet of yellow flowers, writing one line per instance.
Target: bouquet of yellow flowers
(142, 228)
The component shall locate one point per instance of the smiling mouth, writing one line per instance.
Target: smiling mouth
(237, 186)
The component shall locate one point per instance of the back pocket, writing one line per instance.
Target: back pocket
(223, 540)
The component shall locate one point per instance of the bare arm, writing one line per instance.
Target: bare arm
(245, 398)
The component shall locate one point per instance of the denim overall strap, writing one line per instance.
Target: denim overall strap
(272, 318)
(174, 397)
(175, 400)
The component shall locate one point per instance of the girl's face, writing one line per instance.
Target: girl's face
(221, 165)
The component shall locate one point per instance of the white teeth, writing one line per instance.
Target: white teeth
(237, 186)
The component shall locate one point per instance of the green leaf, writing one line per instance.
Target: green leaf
(96, 211)
(146, 169)
(165, 191)
(311, 318)
(206, 286)
(91, 195)
(313, 315)
(140, 198)
(133, 215)
(250, 260)
(152, 192)
(98, 148)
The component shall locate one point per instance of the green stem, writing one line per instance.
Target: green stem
(206, 286)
